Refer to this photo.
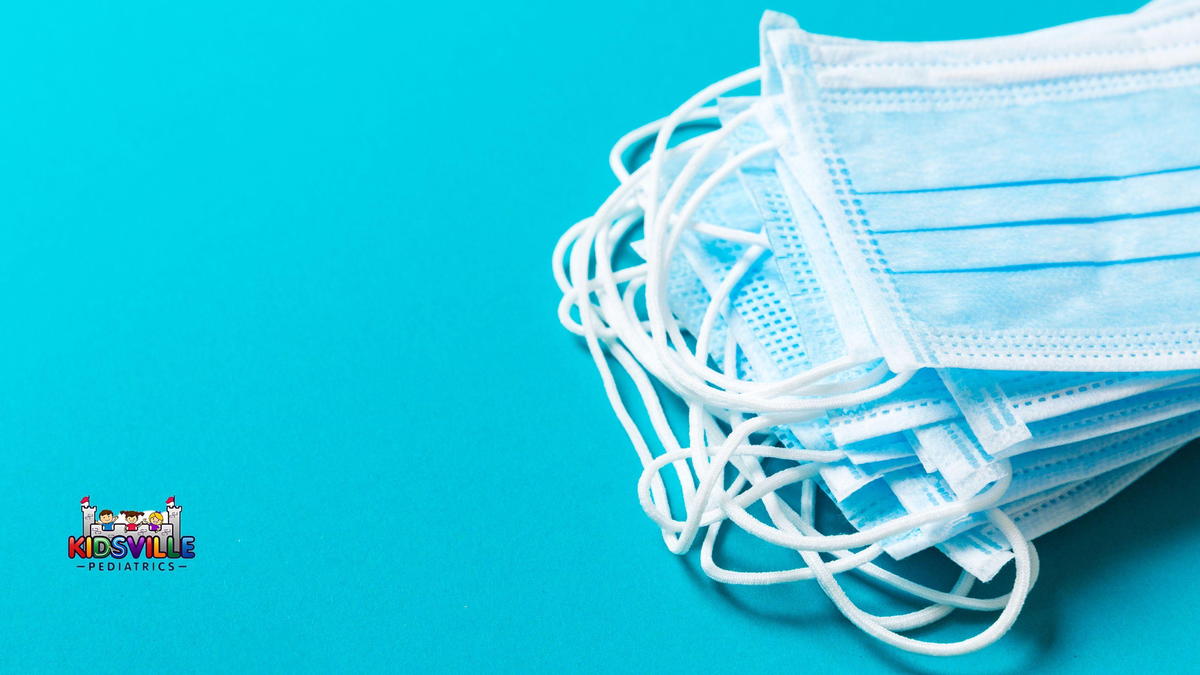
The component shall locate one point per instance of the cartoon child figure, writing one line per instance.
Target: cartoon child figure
(107, 520)
(155, 519)
(131, 519)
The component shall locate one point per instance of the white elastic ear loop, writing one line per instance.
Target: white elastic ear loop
(573, 298)
(906, 621)
(677, 117)
(847, 560)
(658, 419)
(713, 472)
(575, 291)
(674, 455)
(656, 300)
(587, 323)
(616, 155)
(790, 456)
(725, 576)
(656, 218)
(737, 437)
(619, 227)
(731, 234)
(739, 499)
(874, 375)
(698, 435)
(621, 198)
(578, 269)
(633, 336)
(828, 543)
(698, 452)
(571, 295)
(752, 471)
(637, 343)
(613, 308)
(1016, 600)
(956, 598)
(688, 528)
(718, 300)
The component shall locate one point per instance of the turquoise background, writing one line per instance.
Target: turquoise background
(290, 263)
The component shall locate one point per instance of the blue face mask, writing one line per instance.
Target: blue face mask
(1001, 217)
(758, 316)
(774, 269)
(1032, 473)
(981, 397)
(983, 551)
(966, 467)
(953, 451)
(729, 209)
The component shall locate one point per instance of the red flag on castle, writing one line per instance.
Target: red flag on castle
(170, 500)
(85, 501)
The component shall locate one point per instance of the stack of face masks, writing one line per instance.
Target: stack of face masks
(953, 286)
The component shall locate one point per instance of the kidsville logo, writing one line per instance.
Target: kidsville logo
(130, 540)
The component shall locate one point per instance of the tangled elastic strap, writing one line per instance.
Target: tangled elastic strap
(600, 304)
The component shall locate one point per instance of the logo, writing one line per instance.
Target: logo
(130, 540)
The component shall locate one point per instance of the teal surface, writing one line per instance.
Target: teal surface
(290, 263)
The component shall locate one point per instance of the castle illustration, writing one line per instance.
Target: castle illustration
(168, 529)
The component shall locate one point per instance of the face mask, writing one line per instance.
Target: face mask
(979, 396)
(807, 261)
(1150, 18)
(1031, 397)
(631, 346)
(952, 450)
(799, 222)
(1053, 282)
(728, 210)
(690, 301)
(843, 478)
(760, 318)
(983, 552)
(731, 265)
(967, 408)
(916, 491)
